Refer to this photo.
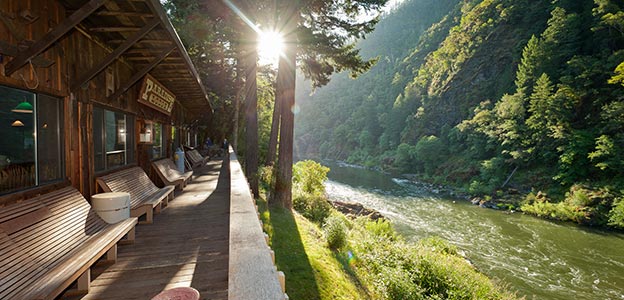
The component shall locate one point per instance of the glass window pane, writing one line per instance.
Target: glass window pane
(17, 150)
(49, 143)
(157, 146)
(115, 138)
(98, 138)
(130, 144)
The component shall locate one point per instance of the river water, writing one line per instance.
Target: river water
(537, 258)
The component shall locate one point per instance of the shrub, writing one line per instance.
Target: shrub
(396, 283)
(315, 208)
(616, 215)
(266, 176)
(309, 177)
(335, 232)
(381, 228)
(429, 269)
(582, 204)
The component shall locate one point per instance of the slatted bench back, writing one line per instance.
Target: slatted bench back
(133, 181)
(39, 233)
(195, 159)
(168, 169)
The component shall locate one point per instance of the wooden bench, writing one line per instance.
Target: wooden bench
(195, 159)
(50, 241)
(145, 197)
(169, 174)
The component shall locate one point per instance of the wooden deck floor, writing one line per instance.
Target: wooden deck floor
(187, 245)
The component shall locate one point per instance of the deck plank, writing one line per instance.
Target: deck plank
(187, 245)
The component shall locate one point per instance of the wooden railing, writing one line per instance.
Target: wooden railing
(252, 271)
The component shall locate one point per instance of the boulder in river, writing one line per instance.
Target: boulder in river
(353, 209)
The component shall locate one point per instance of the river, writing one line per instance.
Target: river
(537, 258)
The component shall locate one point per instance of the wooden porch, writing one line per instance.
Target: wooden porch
(187, 245)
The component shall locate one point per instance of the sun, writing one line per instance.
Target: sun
(270, 47)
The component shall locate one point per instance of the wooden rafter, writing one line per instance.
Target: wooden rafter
(156, 8)
(52, 36)
(114, 29)
(171, 65)
(137, 58)
(144, 41)
(115, 54)
(136, 77)
(124, 14)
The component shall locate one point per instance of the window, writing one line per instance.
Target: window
(113, 139)
(31, 150)
(151, 138)
(175, 138)
(157, 146)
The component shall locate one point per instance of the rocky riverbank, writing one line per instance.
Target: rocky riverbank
(354, 210)
(510, 200)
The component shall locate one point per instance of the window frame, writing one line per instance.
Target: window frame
(128, 151)
(58, 135)
(161, 138)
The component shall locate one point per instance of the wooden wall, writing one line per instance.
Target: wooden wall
(71, 56)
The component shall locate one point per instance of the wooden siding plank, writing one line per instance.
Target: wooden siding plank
(52, 36)
(106, 61)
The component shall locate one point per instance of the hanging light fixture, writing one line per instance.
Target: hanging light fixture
(17, 123)
(23, 107)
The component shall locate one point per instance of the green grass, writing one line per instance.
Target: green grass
(312, 270)
(371, 260)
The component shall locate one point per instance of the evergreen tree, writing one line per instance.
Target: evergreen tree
(319, 34)
(527, 69)
(541, 109)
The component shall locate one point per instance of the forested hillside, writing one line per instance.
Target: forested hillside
(496, 96)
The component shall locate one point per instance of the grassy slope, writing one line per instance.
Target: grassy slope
(312, 270)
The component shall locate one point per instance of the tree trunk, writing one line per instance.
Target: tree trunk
(251, 124)
(275, 123)
(287, 76)
(234, 141)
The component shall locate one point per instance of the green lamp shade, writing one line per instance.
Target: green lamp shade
(23, 107)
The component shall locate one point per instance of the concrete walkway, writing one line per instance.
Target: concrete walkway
(187, 245)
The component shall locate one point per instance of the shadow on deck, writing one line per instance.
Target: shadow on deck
(187, 245)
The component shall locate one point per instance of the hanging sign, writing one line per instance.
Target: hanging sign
(155, 95)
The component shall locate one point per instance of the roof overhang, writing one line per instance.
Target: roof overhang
(139, 33)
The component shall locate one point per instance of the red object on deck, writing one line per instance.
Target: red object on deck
(179, 293)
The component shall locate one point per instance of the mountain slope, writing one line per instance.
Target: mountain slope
(485, 94)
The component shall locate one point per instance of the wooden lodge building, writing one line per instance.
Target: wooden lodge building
(90, 86)
(95, 95)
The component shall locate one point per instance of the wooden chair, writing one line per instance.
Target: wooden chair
(52, 240)
(195, 159)
(169, 174)
(145, 197)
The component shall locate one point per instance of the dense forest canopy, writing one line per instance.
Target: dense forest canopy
(490, 95)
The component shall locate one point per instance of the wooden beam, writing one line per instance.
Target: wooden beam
(171, 65)
(114, 29)
(149, 58)
(136, 77)
(157, 9)
(13, 50)
(124, 14)
(52, 36)
(170, 73)
(115, 54)
(161, 78)
(144, 41)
